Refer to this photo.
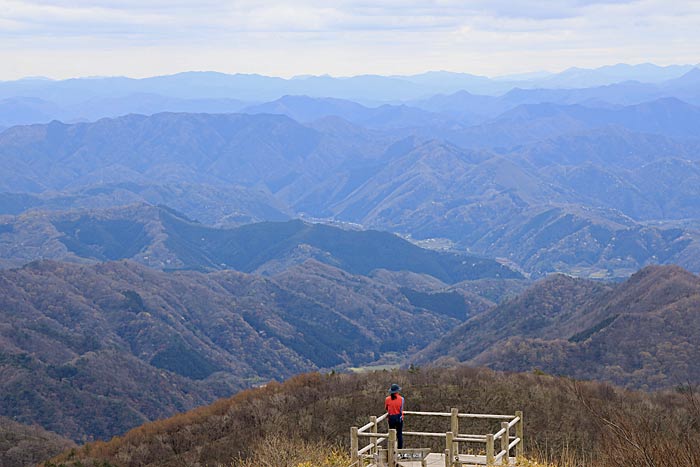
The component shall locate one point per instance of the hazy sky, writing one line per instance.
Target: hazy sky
(59, 39)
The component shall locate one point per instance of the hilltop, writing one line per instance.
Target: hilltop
(314, 412)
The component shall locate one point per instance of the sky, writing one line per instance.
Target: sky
(138, 38)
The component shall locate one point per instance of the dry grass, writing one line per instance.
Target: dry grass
(279, 451)
(648, 435)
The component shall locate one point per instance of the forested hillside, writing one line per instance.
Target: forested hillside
(590, 191)
(639, 333)
(164, 239)
(22, 445)
(90, 351)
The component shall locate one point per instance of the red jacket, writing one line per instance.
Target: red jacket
(394, 406)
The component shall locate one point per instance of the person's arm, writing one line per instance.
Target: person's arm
(403, 399)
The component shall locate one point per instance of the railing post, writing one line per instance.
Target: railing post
(448, 461)
(520, 448)
(391, 446)
(449, 444)
(505, 441)
(354, 445)
(373, 439)
(454, 426)
(489, 450)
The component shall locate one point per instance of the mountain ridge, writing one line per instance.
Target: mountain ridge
(630, 333)
(79, 99)
(89, 351)
(163, 239)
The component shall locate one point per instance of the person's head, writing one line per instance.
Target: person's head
(393, 390)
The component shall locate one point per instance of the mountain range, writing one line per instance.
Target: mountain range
(236, 229)
(638, 333)
(42, 100)
(549, 187)
(92, 350)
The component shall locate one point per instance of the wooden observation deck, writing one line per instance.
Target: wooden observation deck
(499, 448)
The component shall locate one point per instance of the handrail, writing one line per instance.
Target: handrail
(429, 414)
(365, 427)
(369, 425)
(513, 444)
(461, 415)
(476, 438)
(476, 415)
(370, 446)
(499, 433)
(365, 449)
(453, 438)
(422, 433)
(381, 437)
(373, 435)
(514, 422)
(470, 439)
(500, 455)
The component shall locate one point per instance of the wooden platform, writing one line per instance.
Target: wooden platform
(368, 444)
(438, 460)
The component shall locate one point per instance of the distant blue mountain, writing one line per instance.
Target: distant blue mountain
(544, 182)
(26, 110)
(309, 109)
(475, 108)
(687, 87)
(213, 85)
(449, 82)
(465, 106)
(667, 116)
(149, 104)
(611, 74)
(365, 89)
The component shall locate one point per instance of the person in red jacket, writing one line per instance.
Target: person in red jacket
(394, 407)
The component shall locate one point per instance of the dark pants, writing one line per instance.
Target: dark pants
(396, 423)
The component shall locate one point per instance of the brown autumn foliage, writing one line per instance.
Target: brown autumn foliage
(283, 451)
(91, 351)
(661, 432)
(638, 334)
(566, 423)
(22, 445)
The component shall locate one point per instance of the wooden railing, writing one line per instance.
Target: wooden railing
(371, 453)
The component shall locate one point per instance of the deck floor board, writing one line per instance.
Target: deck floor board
(438, 460)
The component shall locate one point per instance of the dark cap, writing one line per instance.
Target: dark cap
(394, 388)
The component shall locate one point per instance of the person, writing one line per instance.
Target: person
(394, 407)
